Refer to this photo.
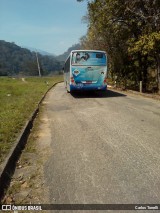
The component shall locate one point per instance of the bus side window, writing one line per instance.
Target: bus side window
(67, 65)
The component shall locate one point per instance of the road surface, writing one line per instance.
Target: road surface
(104, 148)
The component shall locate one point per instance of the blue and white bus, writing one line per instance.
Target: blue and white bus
(86, 70)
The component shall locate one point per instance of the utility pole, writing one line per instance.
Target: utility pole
(140, 87)
(39, 71)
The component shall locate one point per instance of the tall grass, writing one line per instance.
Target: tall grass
(18, 99)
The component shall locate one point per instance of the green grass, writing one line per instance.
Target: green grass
(18, 99)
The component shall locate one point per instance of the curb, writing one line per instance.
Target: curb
(9, 165)
(147, 95)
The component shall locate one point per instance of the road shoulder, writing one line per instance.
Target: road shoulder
(27, 184)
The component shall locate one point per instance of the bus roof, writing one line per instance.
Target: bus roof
(84, 51)
(88, 51)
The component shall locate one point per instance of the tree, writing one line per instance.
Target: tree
(129, 32)
(147, 43)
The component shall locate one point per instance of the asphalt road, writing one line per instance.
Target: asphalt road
(104, 148)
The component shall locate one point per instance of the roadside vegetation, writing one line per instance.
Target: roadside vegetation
(18, 99)
(129, 31)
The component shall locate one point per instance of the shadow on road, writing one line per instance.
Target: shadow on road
(97, 94)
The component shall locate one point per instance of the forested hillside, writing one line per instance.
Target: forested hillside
(130, 33)
(65, 54)
(15, 60)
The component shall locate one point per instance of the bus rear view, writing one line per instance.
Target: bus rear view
(86, 70)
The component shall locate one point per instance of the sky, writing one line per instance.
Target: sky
(49, 25)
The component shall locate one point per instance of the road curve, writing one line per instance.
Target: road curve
(105, 148)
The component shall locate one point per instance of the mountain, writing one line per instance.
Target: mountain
(15, 60)
(42, 52)
(64, 56)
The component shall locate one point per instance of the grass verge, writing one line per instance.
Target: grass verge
(28, 183)
(18, 99)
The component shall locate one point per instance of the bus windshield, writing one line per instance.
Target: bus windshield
(85, 58)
